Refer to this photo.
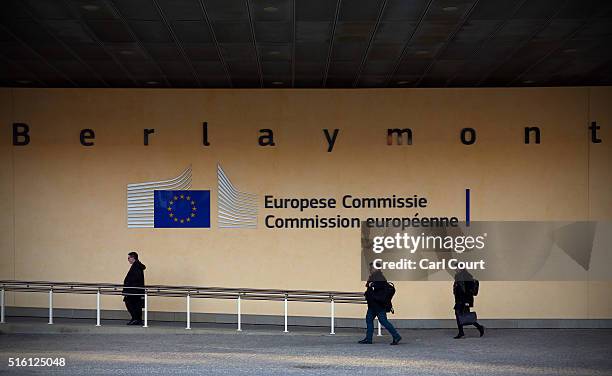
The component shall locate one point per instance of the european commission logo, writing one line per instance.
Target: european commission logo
(172, 204)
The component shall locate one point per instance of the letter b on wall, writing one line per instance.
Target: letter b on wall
(21, 134)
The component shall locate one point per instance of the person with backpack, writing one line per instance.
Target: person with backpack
(378, 294)
(465, 288)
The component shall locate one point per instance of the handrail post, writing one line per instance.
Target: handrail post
(239, 314)
(333, 313)
(146, 310)
(188, 311)
(51, 306)
(286, 331)
(2, 306)
(98, 307)
(379, 329)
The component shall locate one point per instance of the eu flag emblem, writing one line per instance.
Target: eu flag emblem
(182, 209)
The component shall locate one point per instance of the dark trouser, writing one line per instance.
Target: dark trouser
(134, 307)
(458, 311)
(382, 318)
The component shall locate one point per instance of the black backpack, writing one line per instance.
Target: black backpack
(390, 293)
(475, 287)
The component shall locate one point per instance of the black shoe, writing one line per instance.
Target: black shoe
(365, 341)
(396, 340)
(481, 330)
(458, 336)
(131, 322)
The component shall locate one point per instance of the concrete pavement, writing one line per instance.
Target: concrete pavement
(168, 349)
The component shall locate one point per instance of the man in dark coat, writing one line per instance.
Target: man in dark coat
(463, 290)
(379, 302)
(133, 297)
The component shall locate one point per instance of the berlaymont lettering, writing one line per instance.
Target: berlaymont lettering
(23, 134)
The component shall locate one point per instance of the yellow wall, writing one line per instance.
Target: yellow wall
(64, 205)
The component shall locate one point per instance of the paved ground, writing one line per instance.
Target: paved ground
(165, 349)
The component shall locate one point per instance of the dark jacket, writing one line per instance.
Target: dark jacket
(377, 292)
(463, 289)
(134, 278)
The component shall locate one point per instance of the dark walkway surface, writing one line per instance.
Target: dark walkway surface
(166, 349)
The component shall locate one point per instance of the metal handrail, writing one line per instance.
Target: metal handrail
(183, 288)
(188, 292)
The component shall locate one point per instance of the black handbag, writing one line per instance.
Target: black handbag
(467, 318)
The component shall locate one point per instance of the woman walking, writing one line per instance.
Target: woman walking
(465, 288)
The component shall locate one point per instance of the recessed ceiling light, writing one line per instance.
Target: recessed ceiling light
(90, 7)
(24, 82)
(152, 82)
(449, 9)
(277, 82)
(529, 82)
(402, 82)
(270, 9)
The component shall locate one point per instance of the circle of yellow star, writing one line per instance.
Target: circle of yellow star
(171, 209)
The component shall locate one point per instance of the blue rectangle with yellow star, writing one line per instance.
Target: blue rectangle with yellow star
(182, 209)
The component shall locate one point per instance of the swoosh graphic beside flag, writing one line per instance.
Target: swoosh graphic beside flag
(236, 209)
(141, 203)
